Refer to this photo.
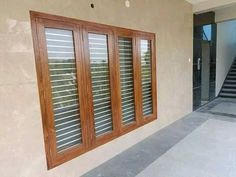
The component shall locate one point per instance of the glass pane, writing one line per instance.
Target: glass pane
(62, 69)
(100, 83)
(207, 32)
(126, 80)
(146, 64)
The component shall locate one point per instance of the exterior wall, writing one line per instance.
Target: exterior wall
(21, 135)
(226, 51)
(227, 13)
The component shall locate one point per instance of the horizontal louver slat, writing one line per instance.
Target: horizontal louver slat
(126, 80)
(146, 70)
(62, 70)
(98, 51)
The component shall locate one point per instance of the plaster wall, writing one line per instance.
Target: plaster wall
(21, 134)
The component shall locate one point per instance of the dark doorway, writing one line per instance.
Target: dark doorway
(204, 59)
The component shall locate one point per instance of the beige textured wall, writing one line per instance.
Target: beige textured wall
(21, 135)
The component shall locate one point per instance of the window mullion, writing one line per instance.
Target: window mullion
(115, 82)
(82, 78)
(137, 78)
(87, 94)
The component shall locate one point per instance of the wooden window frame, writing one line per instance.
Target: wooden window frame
(80, 30)
(149, 37)
(127, 34)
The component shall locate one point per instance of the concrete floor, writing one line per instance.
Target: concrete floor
(202, 144)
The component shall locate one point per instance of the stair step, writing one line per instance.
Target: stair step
(232, 74)
(230, 81)
(228, 95)
(228, 90)
(231, 77)
(230, 86)
(233, 70)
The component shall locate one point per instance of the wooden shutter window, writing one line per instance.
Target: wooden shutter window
(146, 72)
(63, 80)
(126, 79)
(96, 82)
(99, 64)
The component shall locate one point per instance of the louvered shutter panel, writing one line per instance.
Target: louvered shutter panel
(146, 71)
(126, 79)
(63, 80)
(99, 64)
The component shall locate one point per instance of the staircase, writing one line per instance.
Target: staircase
(229, 87)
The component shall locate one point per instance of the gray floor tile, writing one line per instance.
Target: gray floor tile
(222, 107)
(137, 158)
(207, 152)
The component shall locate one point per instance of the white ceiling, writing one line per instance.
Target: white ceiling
(206, 5)
(196, 1)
